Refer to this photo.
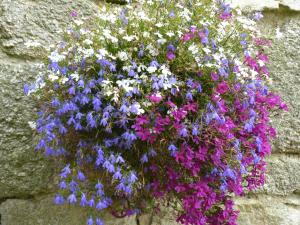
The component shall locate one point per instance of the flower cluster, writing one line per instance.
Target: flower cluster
(158, 103)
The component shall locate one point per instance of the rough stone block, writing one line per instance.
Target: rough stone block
(22, 171)
(28, 27)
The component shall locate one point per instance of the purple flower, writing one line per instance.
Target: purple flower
(229, 173)
(90, 221)
(71, 90)
(73, 186)
(72, 198)
(108, 166)
(170, 55)
(144, 158)
(59, 200)
(183, 132)
(195, 130)
(101, 205)
(119, 159)
(91, 202)
(26, 89)
(65, 172)
(63, 185)
(189, 96)
(99, 222)
(80, 176)
(90, 120)
(83, 201)
(132, 177)
(258, 16)
(74, 14)
(172, 148)
(117, 175)
(171, 14)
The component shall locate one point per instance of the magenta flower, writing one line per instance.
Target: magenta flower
(170, 55)
(222, 87)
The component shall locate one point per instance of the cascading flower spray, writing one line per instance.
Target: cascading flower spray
(159, 103)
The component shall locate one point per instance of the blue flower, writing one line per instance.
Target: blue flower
(189, 96)
(91, 202)
(72, 198)
(73, 186)
(195, 130)
(90, 120)
(59, 200)
(119, 159)
(80, 176)
(101, 205)
(117, 175)
(144, 158)
(108, 166)
(183, 132)
(229, 173)
(63, 185)
(83, 201)
(172, 148)
(65, 172)
(90, 221)
(99, 222)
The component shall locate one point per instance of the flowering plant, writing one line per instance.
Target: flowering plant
(158, 103)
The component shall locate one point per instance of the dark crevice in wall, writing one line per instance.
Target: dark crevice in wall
(22, 197)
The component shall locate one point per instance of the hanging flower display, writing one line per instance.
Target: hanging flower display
(159, 103)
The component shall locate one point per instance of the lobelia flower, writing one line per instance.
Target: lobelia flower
(117, 90)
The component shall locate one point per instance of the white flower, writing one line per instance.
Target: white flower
(170, 34)
(78, 22)
(161, 41)
(75, 76)
(193, 48)
(165, 70)
(151, 69)
(56, 57)
(32, 125)
(88, 52)
(87, 42)
(52, 77)
(207, 50)
(122, 56)
(159, 25)
(146, 34)
(129, 38)
(64, 80)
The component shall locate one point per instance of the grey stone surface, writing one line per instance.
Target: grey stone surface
(266, 4)
(269, 210)
(22, 171)
(283, 175)
(42, 211)
(284, 27)
(27, 27)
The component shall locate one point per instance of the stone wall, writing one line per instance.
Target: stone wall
(29, 27)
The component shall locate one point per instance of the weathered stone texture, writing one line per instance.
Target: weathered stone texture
(269, 210)
(28, 27)
(22, 173)
(42, 211)
(285, 72)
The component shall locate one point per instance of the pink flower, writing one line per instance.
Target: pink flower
(225, 16)
(156, 98)
(170, 55)
(222, 87)
(214, 76)
(186, 37)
